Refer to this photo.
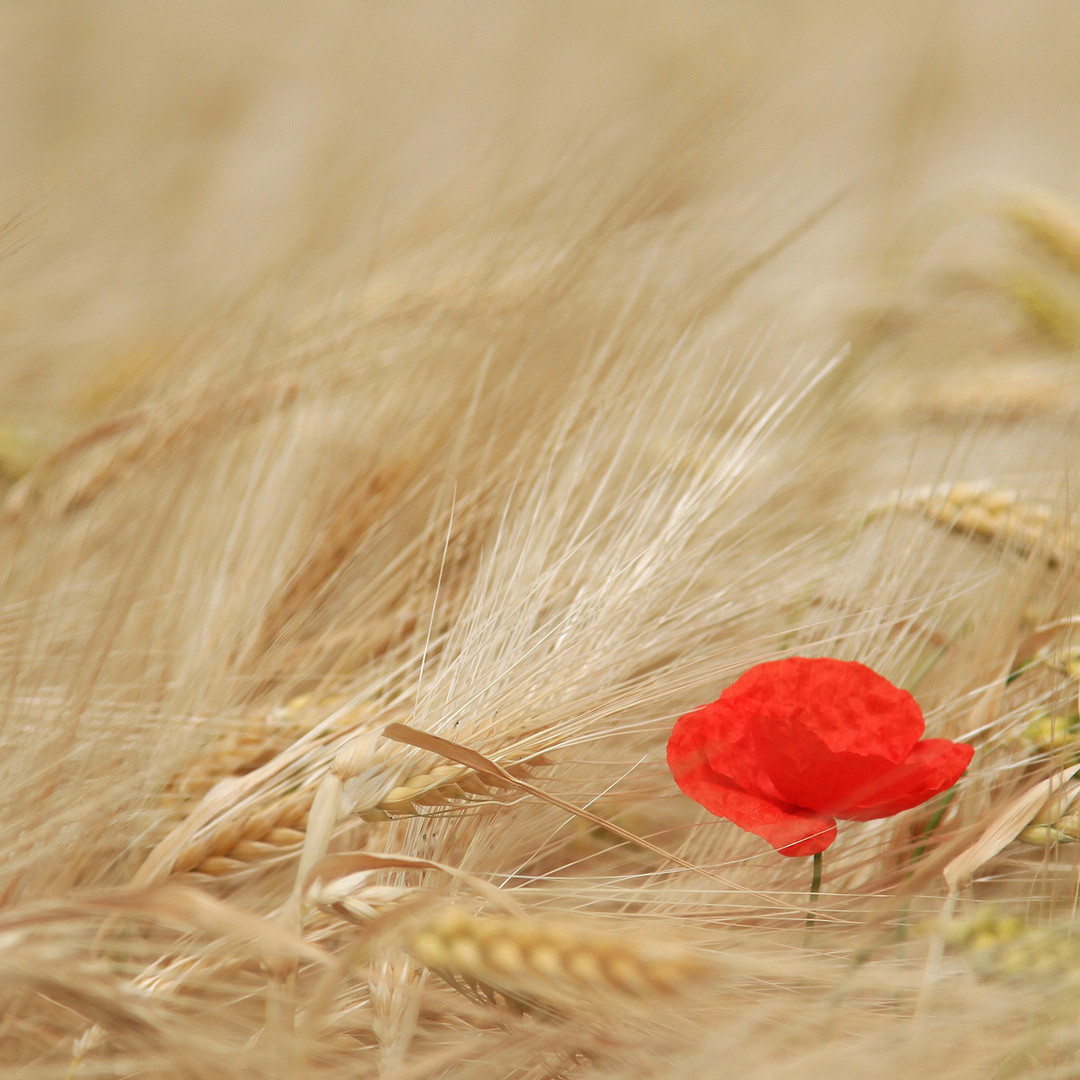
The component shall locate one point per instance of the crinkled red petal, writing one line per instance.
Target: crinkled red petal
(805, 772)
(791, 830)
(850, 707)
(721, 733)
(933, 767)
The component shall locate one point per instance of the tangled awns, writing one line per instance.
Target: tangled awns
(412, 415)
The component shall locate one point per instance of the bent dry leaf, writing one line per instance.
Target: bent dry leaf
(1003, 829)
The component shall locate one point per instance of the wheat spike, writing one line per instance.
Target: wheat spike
(1048, 731)
(362, 503)
(266, 833)
(537, 959)
(1048, 222)
(107, 451)
(1050, 303)
(996, 514)
(276, 826)
(1014, 390)
(258, 736)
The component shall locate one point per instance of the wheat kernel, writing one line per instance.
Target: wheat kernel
(226, 838)
(473, 785)
(1010, 928)
(252, 850)
(220, 866)
(505, 954)
(545, 959)
(454, 921)
(965, 491)
(282, 837)
(585, 965)
(1015, 961)
(261, 822)
(430, 948)
(997, 501)
(624, 972)
(466, 954)
(669, 974)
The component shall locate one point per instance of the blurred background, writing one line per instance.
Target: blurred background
(208, 180)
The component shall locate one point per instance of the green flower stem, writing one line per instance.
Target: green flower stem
(815, 888)
(932, 825)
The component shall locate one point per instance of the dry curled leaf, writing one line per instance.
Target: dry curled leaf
(1003, 828)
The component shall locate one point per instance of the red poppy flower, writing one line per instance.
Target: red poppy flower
(794, 744)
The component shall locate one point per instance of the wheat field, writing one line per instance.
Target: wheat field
(408, 411)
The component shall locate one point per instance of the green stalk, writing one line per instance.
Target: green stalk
(815, 888)
(934, 822)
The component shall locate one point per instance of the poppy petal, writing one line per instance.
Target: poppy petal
(847, 705)
(933, 767)
(790, 830)
(806, 772)
(719, 734)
